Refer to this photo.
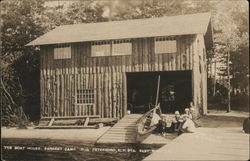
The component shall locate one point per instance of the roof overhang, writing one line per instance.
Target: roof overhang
(138, 28)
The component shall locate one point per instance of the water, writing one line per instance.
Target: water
(54, 150)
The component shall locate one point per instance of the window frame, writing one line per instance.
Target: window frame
(128, 50)
(62, 49)
(112, 47)
(159, 49)
(86, 97)
(99, 44)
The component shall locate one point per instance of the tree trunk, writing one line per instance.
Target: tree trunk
(229, 84)
(214, 80)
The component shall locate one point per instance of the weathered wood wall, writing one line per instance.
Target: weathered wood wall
(106, 75)
(199, 75)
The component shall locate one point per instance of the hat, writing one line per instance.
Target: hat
(186, 109)
(177, 113)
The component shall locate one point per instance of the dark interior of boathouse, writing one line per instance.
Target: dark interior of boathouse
(175, 90)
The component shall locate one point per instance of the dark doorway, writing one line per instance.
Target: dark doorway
(175, 91)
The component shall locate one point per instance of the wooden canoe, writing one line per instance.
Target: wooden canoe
(144, 125)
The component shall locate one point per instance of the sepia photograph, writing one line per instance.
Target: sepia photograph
(124, 80)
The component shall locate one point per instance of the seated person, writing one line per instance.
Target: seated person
(162, 125)
(176, 122)
(187, 111)
(192, 115)
(188, 125)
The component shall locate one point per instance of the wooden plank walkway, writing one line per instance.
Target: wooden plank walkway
(206, 144)
(125, 132)
(122, 132)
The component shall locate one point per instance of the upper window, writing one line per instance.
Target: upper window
(62, 51)
(121, 47)
(100, 48)
(111, 48)
(165, 45)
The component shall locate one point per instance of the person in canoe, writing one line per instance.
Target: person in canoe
(155, 117)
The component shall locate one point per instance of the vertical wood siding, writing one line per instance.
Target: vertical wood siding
(199, 75)
(60, 79)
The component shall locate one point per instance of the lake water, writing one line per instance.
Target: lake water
(54, 150)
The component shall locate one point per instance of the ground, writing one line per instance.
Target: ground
(220, 137)
(83, 135)
(215, 119)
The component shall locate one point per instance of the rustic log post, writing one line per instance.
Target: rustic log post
(229, 84)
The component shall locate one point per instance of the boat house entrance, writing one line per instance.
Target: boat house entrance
(175, 90)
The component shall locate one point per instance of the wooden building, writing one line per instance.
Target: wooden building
(107, 68)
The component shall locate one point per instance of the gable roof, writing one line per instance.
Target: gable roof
(137, 28)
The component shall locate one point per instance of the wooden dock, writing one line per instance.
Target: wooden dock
(122, 132)
(125, 132)
(206, 144)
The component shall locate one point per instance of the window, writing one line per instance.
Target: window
(111, 48)
(165, 45)
(101, 48)
(85, 96)
(62, 51)
(121, 47)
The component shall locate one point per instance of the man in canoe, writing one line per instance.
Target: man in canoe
(159, 121)
(188, 125)
(155, 117)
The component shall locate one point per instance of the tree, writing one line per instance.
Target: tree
(21, 23)
(231, 43)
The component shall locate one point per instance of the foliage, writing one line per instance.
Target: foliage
(21, 23)
(84, 12)
(231, 24)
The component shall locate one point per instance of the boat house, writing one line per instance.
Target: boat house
(108, 68)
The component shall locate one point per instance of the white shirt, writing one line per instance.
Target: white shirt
(189, 125)
(155, 119)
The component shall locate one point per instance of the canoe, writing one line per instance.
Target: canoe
(146, 124)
